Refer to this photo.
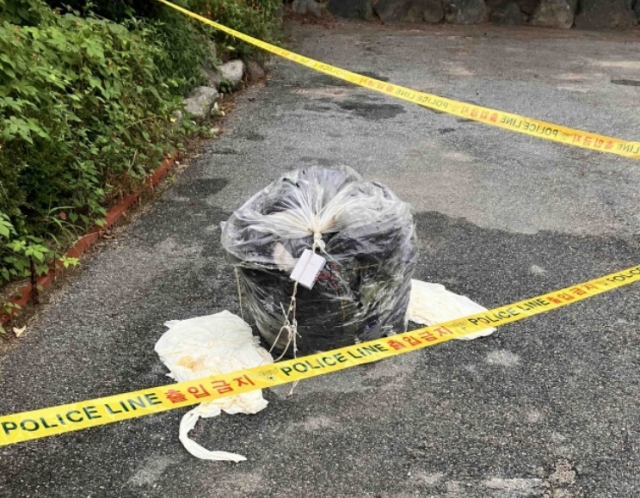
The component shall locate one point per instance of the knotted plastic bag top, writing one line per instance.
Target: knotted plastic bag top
(311, 208)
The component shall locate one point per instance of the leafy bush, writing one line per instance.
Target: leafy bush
(85, 106)
(21, 12)
(183, 40)
(85, 115)
(183, 45)
(184, 49)
(114, 10)
(257, 18)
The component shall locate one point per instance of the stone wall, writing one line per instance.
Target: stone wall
(583, 14)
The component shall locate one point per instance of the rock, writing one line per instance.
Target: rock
(351, 9)
(464, 11)
(304, 6)
(395, 10)
(552, 14)
(232, 71)
(636, 8)
(209, 71)
(528, 6)
(200, 102)
(212, 77)
(433, 12)
(507, 13)
(268, 63)
(409, 10)
(253, 70)
(605, 14)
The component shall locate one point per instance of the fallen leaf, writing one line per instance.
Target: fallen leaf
(18, 332)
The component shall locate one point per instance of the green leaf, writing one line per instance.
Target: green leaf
(5, 228)
(67, 261)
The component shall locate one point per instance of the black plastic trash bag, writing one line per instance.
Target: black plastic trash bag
(361, 228)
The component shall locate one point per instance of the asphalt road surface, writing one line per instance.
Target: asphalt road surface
(548, 406)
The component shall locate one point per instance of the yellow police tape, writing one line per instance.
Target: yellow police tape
(492, 117)
(37, 424)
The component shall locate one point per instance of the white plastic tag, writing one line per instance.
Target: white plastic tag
(307, 269)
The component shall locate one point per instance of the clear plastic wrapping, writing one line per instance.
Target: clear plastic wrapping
(362, 229)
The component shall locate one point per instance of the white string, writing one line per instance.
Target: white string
(235, 269)
(291, 326)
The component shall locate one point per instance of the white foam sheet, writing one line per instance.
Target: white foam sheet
(431, 304)
(208, 345)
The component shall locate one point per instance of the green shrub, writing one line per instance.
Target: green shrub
(184, 48)
(183, 40)
(22, 12)
(257, 18)
(84, 115)
(114, 10)
(183, 44)
(85, 106)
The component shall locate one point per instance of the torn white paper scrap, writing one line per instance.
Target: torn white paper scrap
(205, 346)
(431, 304)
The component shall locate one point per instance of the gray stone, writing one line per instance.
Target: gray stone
(254, 70)
(267, 61)
(209, 71)
(304, 6)
(433, 12)
(636, 8)
(351, 9)
(553, 14)
(200, 102)
(212, 76)
(605, 14)
(465, 11)
(409, 10)
(264, 60)
(527, 6)
(507, 13)
(232, 71)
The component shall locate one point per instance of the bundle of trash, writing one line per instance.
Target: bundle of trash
(365, 236)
